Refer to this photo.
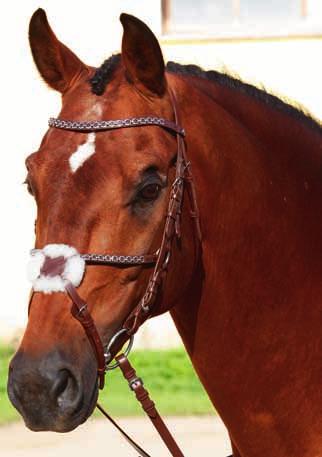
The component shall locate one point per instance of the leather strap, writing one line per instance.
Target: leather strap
(142, 395)
(80, 312)
(120, 260)
(55, 266)
(194, 212)
(172, 229)
(94, 126)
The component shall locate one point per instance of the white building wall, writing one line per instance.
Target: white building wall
(92, 30)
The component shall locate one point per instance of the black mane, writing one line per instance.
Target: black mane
(104, 74)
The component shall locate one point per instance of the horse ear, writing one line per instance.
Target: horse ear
(56, 63)
(142, 56)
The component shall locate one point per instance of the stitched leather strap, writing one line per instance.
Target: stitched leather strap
(172, 229)
(142, 395)
(194, 209)
(80, 312)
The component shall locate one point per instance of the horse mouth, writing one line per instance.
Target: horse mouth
(41, 412)
(91, 404)
(63, 424)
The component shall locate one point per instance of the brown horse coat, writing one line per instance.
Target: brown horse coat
(249, 308)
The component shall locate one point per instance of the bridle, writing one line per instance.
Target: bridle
(159, 260)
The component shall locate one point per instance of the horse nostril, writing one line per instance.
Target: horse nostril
(66, 391)
(60, 384)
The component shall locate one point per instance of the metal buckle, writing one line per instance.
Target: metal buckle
(107, 353)
(135, 382)
(82, 309)
(166, 260)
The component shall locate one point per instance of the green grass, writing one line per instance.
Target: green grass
(170, 379)
(168, 375)
(7, 412)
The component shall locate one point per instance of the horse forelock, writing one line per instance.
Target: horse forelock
(104, 74)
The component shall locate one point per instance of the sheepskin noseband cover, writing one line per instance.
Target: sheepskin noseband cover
(50, 268)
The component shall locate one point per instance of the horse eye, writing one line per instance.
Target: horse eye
(150, 192)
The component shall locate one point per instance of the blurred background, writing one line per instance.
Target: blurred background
(276, 43)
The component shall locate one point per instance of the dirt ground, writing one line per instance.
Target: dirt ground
(196, 435)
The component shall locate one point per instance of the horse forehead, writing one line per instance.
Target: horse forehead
(87, 155)
(81, 149)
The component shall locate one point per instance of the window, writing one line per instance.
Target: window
(242, 17)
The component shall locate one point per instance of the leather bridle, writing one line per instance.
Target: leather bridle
(159, 260)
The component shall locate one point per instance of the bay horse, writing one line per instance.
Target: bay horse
(246, 301)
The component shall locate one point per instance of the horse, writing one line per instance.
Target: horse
(246, 296)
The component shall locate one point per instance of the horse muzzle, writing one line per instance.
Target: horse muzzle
(50, 392)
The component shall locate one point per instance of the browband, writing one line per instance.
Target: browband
(90, 126)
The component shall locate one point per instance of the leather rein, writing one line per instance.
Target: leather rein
(159, 260)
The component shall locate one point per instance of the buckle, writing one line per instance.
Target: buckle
(135, 382)
(82, 309)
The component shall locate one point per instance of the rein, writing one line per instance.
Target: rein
(160, 260)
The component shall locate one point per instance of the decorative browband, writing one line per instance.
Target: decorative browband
(86, 126)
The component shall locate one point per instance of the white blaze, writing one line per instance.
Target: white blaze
(82, 153)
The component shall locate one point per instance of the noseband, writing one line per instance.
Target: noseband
(159, 260)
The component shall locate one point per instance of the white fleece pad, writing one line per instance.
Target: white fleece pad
(73, 270)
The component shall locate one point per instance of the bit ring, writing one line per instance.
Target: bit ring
(107, 354)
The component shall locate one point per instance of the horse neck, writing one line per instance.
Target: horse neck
(256, 295)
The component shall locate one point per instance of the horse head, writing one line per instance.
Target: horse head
(97, 191)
